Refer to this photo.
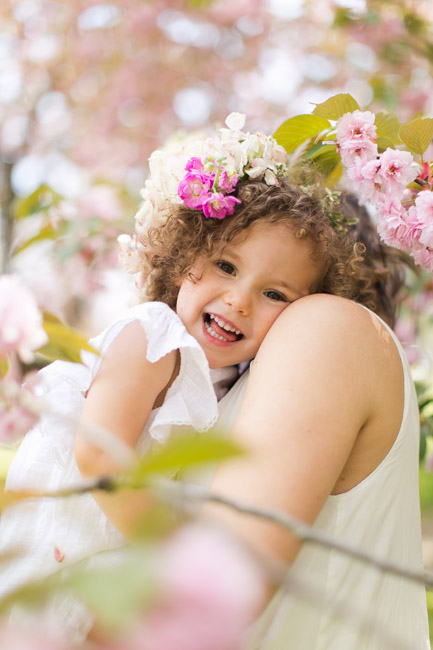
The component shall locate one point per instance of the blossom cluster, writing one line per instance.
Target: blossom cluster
(202, 173)
(205, 187)
(386, 180)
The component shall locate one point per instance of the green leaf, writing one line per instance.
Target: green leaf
(427, 410)
(387, 127)
(41, 199)
(64, 341)
(296, 130)
(327, 161)
(187, 450)
(336, 106)
(4, 366)
(417, 134)
(383, 144)
(47, 232)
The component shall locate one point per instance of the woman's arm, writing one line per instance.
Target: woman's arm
(120, 399)
(308, 396)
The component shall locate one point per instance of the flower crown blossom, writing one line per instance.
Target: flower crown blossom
(201, 173)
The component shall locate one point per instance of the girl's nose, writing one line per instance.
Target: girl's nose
(239, 301)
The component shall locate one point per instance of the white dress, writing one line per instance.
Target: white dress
(40, 532)
(333, 602)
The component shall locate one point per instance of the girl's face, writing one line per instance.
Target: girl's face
(239, 293)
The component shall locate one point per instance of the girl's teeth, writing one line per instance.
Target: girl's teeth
(214, 334)
(224, 325)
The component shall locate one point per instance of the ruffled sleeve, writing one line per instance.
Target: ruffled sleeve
(190, 401)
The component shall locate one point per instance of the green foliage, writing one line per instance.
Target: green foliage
(43, 198)
(336, 106)
(387, 128)
(417, 134)
(185, 451)
(64, 341)
(297, 130)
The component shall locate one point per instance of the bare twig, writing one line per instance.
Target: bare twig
(177, 493)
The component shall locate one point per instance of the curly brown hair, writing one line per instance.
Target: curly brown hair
(173, 248)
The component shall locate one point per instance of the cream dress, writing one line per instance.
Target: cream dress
(45, 535)
(333, 602)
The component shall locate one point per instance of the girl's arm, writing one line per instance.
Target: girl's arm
(120, 399)
(310, 392)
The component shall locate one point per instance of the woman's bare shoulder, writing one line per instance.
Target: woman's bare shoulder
(320, 319)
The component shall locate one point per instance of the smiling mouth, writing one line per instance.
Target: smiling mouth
(221, 330)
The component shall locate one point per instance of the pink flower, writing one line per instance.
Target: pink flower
(20, 320)
(210, 591)
(17, 416)
(424, 208)
(194, 164)
(218, 206)
(396, 170)
(194, 188)
(356, 136)
(423, 257)
(227, 182)
(19, 638)
(392, 226)
(366, 179)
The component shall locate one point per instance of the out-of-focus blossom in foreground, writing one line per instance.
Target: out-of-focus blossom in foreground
(18, 412)
(210, 591)
(21, 328)
(12, 638)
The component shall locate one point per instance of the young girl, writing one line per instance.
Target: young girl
(218, 272)
(221, 257)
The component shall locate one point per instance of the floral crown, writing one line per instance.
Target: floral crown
(202, 174)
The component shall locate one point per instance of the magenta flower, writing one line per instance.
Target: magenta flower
(194, 164)
(226, 182)
(396, 170)
(218, 206)
(194, 189)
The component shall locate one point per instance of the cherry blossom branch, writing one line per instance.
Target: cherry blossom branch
(178, 493)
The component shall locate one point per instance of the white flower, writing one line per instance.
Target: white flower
(236, 121)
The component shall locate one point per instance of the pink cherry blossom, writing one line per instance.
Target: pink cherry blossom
(365, 178)
(20, 320)
(210, 591)
(356, 136)
(424, 208)
(17, 408)
(423, 257)
(14, 637)
(392, 224)
(396, 170)
(218, 206)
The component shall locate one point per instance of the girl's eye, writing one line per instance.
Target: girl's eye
(226, 267)
(275, 295)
